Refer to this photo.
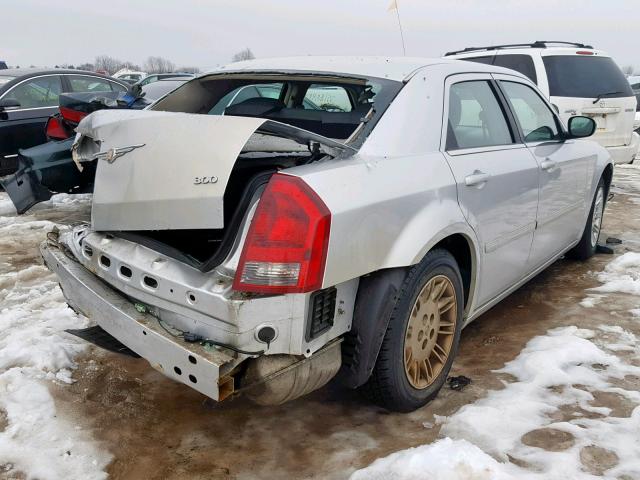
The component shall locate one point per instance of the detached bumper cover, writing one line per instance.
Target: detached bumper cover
(201, 368)
(43, 171)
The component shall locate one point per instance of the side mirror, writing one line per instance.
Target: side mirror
(9, 103)
(581, 127)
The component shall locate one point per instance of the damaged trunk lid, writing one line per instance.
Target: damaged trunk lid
(169, 171)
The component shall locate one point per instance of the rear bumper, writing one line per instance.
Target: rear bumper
(203, 369)
(626, 153)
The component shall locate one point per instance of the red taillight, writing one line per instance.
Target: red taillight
(584, 52)
(72, 115)
(286, 247)
(55, 130)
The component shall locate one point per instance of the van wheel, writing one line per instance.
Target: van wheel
(586, 248)
(422, 338)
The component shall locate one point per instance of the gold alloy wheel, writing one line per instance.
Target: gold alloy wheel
(430, 332)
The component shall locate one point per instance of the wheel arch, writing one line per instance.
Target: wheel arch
(377, 295)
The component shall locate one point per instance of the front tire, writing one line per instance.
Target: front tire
(422, 338)
(586, 248)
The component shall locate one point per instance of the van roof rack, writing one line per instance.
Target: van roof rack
(536, 44)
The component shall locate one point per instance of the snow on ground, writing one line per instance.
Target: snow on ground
(622, 275)
(34, 352)
(558, 378)
(546, 423)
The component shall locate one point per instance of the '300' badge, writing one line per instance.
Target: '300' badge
(205, 180)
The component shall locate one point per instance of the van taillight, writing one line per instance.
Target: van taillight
(584, 52)
(286, 247)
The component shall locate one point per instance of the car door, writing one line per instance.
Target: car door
(24, 126)
(496, 176)
(565, 169)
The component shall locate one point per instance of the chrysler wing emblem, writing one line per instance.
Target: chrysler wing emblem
(113, 154)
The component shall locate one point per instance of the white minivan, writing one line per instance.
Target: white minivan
(578, 80)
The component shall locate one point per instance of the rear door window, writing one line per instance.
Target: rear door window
(246, 92)
(38, 92)
(330, 98)
(83, 83)
(585, 76)
(535, 118)
(476, 118)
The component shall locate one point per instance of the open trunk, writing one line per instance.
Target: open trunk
(181, 183)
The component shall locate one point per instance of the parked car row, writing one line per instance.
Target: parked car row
(277, 223)
(142, 78)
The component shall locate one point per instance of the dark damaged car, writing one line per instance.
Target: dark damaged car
(47, 169)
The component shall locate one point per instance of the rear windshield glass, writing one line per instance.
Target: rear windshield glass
(585, 76)
(331, 107)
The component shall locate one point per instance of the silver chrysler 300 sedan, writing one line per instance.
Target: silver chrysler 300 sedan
(277, 223)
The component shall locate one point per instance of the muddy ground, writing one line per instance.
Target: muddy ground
(158, 429)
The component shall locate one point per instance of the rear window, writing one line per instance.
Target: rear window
(585, 76)
(332, 107)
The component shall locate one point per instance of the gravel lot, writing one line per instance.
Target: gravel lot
(72, 411)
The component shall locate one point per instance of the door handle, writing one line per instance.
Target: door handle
(548, 164)
(477, 178)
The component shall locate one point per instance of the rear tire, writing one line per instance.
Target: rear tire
(586, 248)
(422, 338)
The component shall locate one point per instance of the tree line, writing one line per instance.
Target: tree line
(152, 64)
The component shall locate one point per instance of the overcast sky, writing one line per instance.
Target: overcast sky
(206, 33)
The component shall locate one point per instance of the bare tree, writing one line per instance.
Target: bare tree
(628, 70)
(158, 65)
(245, 54)
(188, 69)
(107, 63)
(89, 67)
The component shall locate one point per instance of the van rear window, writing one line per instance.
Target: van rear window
(585, 76)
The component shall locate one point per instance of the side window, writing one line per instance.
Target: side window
(116, 87)
(536, 119)
(486, 59)
(520, 63)
(81, 83)
(330, 98)
(246, 92)
(38, 92)
(475, 117)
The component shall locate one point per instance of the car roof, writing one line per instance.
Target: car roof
(544, 52)
(392, 68)
(22, 72)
